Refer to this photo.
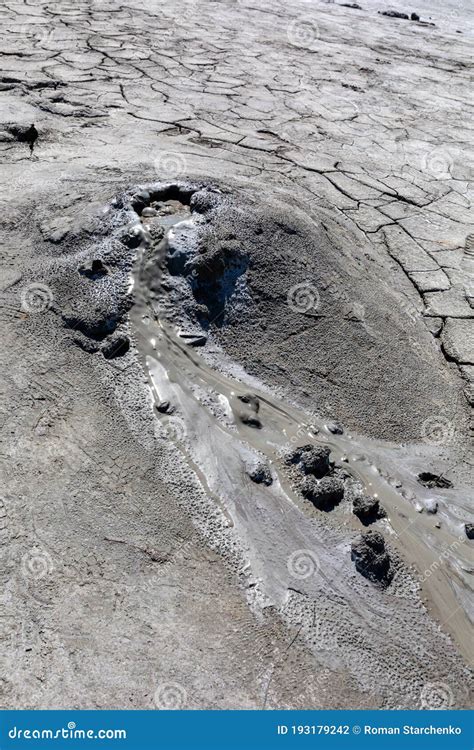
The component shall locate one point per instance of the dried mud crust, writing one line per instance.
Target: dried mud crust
(126, 224)
(112, 107)
(104, 457)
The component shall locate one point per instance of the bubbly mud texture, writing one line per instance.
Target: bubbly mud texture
(237, 469)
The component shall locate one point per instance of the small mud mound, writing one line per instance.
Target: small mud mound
(313, 460)
(95, 294)
(277, 290)
(367, 509)
(314, 475)
(259, 472)
(325, 494)
(428, 479)
(267, 284)
(371, 558)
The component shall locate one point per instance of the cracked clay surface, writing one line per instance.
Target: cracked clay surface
(326, 265)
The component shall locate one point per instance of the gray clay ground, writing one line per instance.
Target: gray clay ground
(330, 150)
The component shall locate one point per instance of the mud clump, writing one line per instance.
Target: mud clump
(335, 428)
(431, 506)
(22, 134)
(260, 473)
(251, 400)
(149, 213)
(313, 460)
(251, 420)
(469, 529)
(324, 494)
(393, 14)
(371, 558)
(427, 479)
(193, 339)
(367, 509)
(294, 457)
(253, 405)
(316, 461)
(133, 237)
(324, 491)
(164, 407)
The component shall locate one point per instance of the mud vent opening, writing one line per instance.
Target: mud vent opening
(146, 199)
(427, 479)
(194, 269)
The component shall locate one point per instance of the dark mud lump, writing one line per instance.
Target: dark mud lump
(325, 494)
(371, 558)
(312, 459)
(367, 509)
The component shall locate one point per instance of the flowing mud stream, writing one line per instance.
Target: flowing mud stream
(213, 420)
